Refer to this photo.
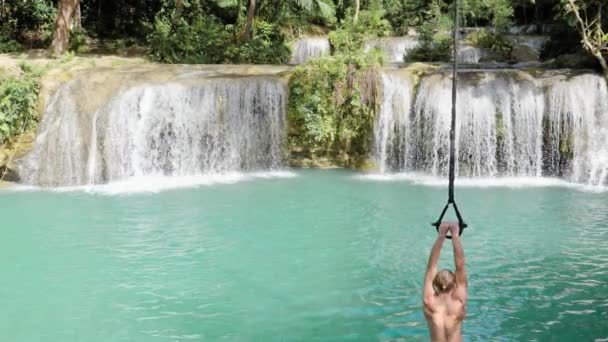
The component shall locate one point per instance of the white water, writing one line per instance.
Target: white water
(179, 129)
(578, 113)
(500, 131)
(482, 182)
(391, 128)
(469, 54)
(395, 48)
(155, 184)
(307, 48)
(535, 43)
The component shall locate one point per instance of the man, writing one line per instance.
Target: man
(445, 293)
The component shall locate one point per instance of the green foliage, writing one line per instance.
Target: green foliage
(438, 49)
(266, 47)
(324, 9)
(182, 41)
(372, 20)
(590, 17)
(496, 13)
(404, 14)
(497, 43)
(8, 45)
(348, 38)
(434, 45)
(18, 99)
(201, 38)
(26, 22)
(332, 104)
(78, 41)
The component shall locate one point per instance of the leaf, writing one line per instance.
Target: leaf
(305, 4)
(326, 8)
(227, 3)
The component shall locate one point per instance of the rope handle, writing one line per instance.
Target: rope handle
(461, 224)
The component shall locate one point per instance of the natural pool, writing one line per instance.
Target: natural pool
(308, 255)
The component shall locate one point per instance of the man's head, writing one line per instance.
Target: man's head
(444, 282)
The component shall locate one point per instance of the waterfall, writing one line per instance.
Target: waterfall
(469, 54)
(309, 47)
(395, 48)
(183, 127)
(391, 128)
(527, 48)
(509, 124)
(577, 120)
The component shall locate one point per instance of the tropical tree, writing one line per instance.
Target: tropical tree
(324, 9)
(586, 15)
(61, 34)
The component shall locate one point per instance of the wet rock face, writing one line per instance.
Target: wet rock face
(527, 48)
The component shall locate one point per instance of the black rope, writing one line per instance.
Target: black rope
(454, 93)
(461, 224)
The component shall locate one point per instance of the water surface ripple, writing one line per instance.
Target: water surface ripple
(322, 255)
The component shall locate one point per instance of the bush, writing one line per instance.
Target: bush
(497, 43)
(204, 39)
(348, 38)
(8, 45)
(18, 100)
(266, 47)
(27, 22)
(332, 106)
(78, 40)
(433, 47)
(434, 44)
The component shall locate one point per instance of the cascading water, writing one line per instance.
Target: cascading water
(577, 129)
(306, 48)
(469, 54)
(395, 48)
(509, 124)
(391, 128)
(186, 127)
(527, 48)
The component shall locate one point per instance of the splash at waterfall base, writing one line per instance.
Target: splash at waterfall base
(108, 124)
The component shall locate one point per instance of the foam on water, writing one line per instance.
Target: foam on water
(159, 183)
(481, 182)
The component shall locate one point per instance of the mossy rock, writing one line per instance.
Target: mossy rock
(579, 60)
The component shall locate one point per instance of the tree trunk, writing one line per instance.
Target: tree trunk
(77, 20)
(248, 33)
(357, 6)
(179, 8)
(600, 58)
(61, 34)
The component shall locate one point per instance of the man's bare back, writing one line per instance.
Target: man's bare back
(445, 293)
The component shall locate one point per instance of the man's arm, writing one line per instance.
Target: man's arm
(431, 268)
(461, 274)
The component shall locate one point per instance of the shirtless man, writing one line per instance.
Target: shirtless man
(445, 293)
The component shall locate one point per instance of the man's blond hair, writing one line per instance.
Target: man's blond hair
(444, 281)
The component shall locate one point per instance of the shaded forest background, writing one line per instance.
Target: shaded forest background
(256, 31)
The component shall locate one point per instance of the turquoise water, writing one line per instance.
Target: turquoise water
(323, 255)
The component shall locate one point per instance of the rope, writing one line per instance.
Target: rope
(453, 128)
(461, 224)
